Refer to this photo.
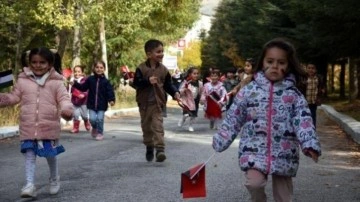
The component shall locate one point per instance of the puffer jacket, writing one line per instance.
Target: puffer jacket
(40, 104)
(273, 120)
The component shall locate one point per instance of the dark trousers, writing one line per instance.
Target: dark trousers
(313, 108)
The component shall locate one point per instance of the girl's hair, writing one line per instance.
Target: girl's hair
(79, 66)
(251, 61)
(51, 56)
(152, 44)
(293, 62)
(101, 62)
(215, 71)
(189, 72)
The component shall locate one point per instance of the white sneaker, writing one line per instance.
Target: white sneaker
(54, 185)
(28, 191)
(182, 120)
(191, 129)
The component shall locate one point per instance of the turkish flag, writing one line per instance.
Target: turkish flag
(67, 73)
(193, 183)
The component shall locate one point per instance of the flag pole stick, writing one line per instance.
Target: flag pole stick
(203, 165)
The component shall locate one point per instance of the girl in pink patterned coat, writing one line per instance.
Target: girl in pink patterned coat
(42, 96)
(274, 123)
(214, 99)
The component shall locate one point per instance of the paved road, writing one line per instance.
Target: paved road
(115, 169)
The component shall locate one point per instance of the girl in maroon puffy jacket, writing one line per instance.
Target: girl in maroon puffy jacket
(79, 98)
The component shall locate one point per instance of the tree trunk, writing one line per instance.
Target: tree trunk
(18, 45)
(77, 38)
(331, 78)
(353, 80)
(357, 62)
(103, 45)
(342, 79)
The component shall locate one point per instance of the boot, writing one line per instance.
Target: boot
(76, 125)
(87, 124)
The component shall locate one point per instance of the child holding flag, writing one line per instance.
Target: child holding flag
(273, 119)
(42, 96)
(190, 91)
(214, 98)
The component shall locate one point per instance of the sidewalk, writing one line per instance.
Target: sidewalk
(348, 124)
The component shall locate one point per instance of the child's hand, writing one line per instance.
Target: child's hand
(67, 115)
(153, 79)
(177, 96)
(311, 153)
(112, 103)
(71, 82)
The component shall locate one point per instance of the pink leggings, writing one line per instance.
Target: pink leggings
(256, 182)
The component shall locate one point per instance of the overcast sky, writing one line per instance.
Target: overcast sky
(208, 7)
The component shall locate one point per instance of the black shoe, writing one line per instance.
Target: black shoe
(160, 156)
(149, 153)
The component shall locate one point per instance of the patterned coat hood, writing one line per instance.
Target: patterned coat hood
(273, 120)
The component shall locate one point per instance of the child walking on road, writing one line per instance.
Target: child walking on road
(190, 91)
(152, 81)
(78, 98)
(100, 93)
(42, 96)
(273, 120)
(214, 98)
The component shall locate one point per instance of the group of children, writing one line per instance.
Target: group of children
(268, 112)
(216, 95)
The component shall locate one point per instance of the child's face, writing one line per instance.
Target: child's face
(311, 69)
(248, 68)
(275, 64)
(214, 78)
(99, 69)
(156, 54)
(194, 75)
(230, 75)
(38, 65)
(78, 72)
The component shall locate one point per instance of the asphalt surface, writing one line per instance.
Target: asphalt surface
(115, 169)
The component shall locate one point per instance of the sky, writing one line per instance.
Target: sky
(208, 7)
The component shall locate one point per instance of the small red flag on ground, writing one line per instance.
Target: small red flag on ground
(193, 183)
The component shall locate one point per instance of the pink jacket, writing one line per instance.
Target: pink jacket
(40, 104)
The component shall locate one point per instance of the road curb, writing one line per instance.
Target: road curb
(347, 123)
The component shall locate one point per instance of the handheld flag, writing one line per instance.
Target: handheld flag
(6, 79)
(193, 183)
(67, 73)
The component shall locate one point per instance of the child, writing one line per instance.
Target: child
(274, 120)
(78, 99)
(213, 98)
(230, 83)
(314, 90)
(190, 91)
(100, 93)
(152, 81)
(244, 77)
(42, 96)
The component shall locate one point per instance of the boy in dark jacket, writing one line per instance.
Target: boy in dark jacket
(152, 81)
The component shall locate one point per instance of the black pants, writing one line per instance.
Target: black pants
(313, 108)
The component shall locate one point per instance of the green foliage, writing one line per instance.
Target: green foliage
(191, 56)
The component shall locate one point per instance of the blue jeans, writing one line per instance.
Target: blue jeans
(97, 120)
